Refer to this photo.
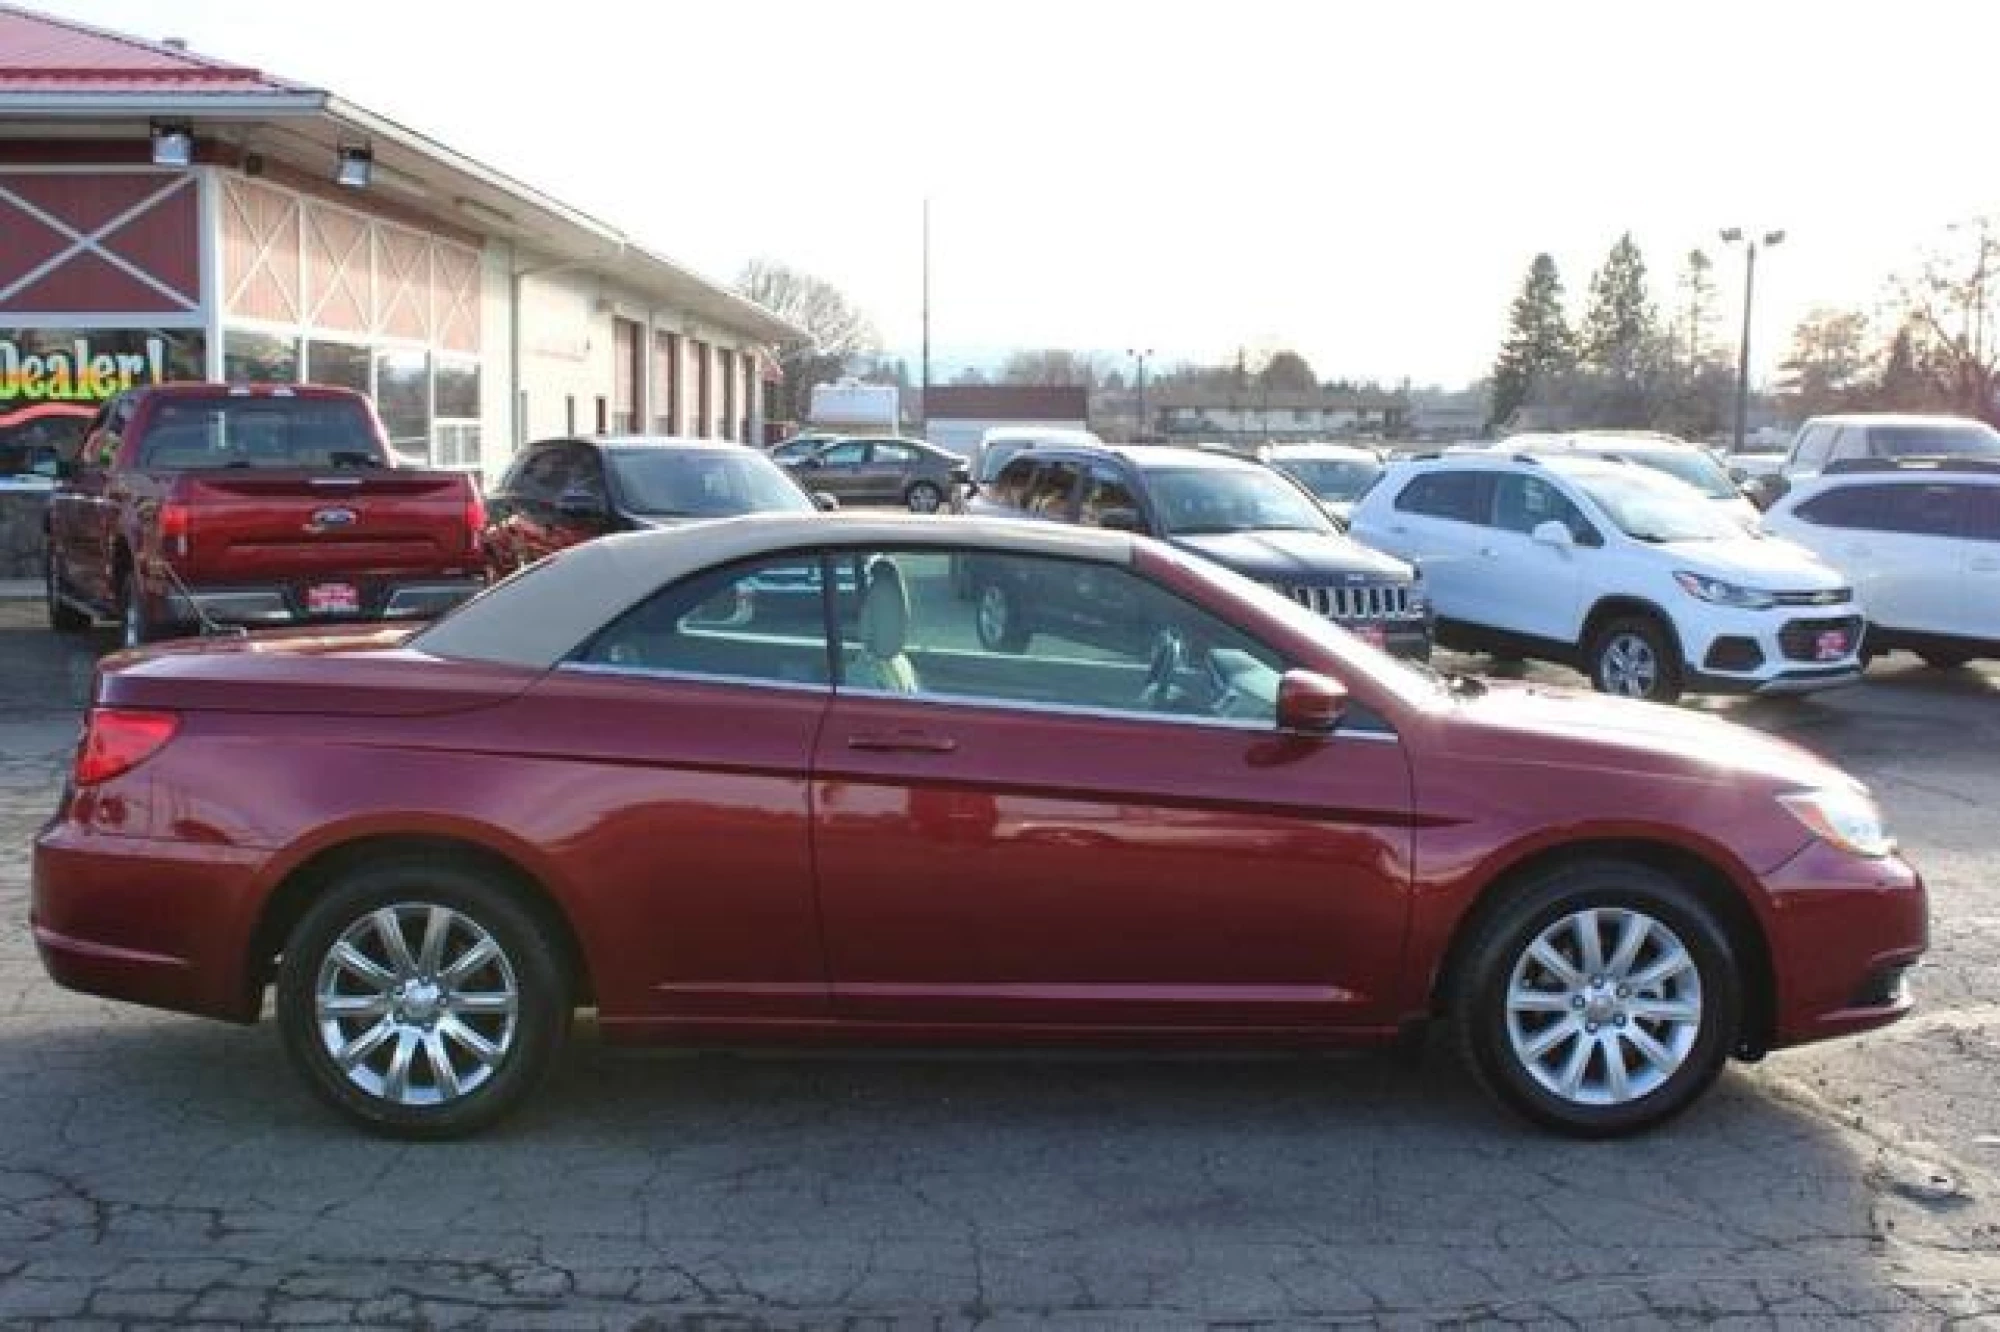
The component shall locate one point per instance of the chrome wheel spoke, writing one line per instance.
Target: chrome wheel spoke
(1631, 938)
(470, 961)
(443, 1074)
(1521, 1000)
(1616, 1080)
(1659, 1056)
(338, 1006)
(396, 1082)
(481, 1005)
(437, 925)
(353, 960)
(1664, 1010)
(1571, 1078)
(389, 929)
(1666, 967)
(485, 1051)
(1555, 963)
(1550, 1037)
(367, 1043)
(1589, 946)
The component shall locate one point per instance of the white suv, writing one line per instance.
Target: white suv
(1627, 574)
(1920, 538)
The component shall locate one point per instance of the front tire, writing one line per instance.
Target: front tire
(1601, 1000)
(1635, 657)
(420, 999)
(1945, 661)
(923, 497)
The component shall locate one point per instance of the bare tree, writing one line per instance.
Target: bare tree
(1952, 306)
(1830, 368)
(1054, 367)
(837, 329)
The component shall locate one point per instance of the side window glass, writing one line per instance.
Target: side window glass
(893, 455)
(1460, 496)
(1814, 446)
(1922, 510)
(1848, 443)
(851, 454)
(1105, 491)
(761, 622)
(1983, 514)
(1011, 489)
(1049, 493)
(1146, 651)
(1523, 503)
(543, 475)
(584, 474)
(1847, 507)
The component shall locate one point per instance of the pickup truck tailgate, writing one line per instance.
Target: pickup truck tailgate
(246, 526)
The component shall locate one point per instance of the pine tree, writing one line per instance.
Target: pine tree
(1695, 323)
(1539, 345)
(1619, 327)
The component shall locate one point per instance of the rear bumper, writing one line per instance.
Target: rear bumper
(149, 922)
(1844, 931)
(284, 603)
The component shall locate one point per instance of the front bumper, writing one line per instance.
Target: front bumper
(1790, 650)
(288, 603)
(1843, 932)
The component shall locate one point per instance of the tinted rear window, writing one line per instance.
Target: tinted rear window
(1934, 441)
(260, 432)
(704, 483)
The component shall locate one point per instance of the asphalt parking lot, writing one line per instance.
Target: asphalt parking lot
(157, 1169)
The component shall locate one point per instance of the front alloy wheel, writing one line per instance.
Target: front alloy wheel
(1599, 1000)
(421, 999)
(1635, 659)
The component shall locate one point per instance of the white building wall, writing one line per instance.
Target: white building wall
(496, 386)
(962, 436)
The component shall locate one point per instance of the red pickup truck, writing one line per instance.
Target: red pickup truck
(192, 506)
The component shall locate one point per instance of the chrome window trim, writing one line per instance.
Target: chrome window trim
(692, 677)
(1111, 714)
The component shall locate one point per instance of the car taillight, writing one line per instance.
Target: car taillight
(117, 740)
(475, 521)
(176, 527)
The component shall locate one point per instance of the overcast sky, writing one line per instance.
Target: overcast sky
(1366, 182)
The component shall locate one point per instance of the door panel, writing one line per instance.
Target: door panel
(1008, 866)
(1523, 585)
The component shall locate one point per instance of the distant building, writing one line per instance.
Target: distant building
(1255, 415)
(955, 416)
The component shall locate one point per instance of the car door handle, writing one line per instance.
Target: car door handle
(902, 742)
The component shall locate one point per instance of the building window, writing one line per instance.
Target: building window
(704, 418)
(86, 366)
(666, 384)
(627, 371)
(455, 427)
(728, 360)
(339, 364)
(403, 399)
(259, 358)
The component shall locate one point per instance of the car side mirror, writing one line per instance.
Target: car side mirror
(827, 503)
(1120, 520)
(1310, 703)
(1554, 533)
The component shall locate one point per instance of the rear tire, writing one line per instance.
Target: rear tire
(1945, 661)
(1597, 1040)
(473, 1020)
(63, 617)
(1635, 657)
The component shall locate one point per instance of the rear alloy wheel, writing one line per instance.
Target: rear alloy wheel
(1603, 1000)
(420, 1000)
(1945, 661)
(998, 620)
(923, 497)
(1635, 658)
(63, 617)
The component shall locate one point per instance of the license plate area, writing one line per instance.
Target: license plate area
(333, 599)
(1830, 645)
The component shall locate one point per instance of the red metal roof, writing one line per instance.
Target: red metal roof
(50, 55)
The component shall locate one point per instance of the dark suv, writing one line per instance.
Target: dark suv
(1243, 516)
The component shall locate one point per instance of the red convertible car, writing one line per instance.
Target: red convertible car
(758, 781)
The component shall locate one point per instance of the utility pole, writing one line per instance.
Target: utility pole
(924, 414)
(1733, 236)
(1140, 435)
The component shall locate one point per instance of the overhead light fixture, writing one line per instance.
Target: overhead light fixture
(173, 143)
(356, 169)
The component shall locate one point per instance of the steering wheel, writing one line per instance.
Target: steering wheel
(1169, 659)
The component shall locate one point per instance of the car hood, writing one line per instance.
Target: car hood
(1300, 557)
(1762, 562)
(1595, 730)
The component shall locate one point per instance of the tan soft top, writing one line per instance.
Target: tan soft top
(539, 617)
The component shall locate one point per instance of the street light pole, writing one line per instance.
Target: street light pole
(1140, 357)
(1731, 236)
(924, 414)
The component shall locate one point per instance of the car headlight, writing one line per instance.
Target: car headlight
(1724, 594)
(1845, 818)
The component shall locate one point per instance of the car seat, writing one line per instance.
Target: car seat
(885, 626)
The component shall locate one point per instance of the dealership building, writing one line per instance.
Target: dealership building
(168, 216)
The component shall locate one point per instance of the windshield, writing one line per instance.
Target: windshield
(1691, 466)
(1335, 480)
(1650, 508)
(703, 483)
(260, 432)
(1197, 500)
(1942, 440)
